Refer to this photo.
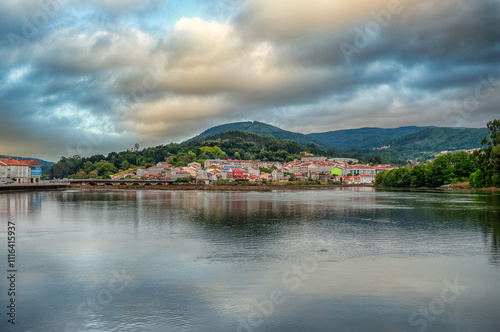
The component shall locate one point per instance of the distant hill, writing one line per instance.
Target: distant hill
(439, 139)
(404, 142)
(349, 139)
(260, 128)
(41, 161)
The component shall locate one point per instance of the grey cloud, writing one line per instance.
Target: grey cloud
(106, 70)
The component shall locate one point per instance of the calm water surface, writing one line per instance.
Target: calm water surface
(339, 260)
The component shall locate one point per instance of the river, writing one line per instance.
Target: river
(346, 259)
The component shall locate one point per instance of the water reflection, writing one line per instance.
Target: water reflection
(254, 218)
(200, 259)
(13, 204)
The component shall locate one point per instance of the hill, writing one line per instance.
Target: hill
(434, 140)
(260, 128)
(363, 137)
(339, 139)
(406, 142)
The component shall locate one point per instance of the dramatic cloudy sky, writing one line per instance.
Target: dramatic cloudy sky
(96, 76)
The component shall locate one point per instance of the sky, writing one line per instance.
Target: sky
(95, 76)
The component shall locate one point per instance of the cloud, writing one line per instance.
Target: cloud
(120, 68)
(94, 51)
(281, 19)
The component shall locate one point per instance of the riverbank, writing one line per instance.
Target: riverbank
(466, 186)
(32, 187)
(217, 187)
(461, 186)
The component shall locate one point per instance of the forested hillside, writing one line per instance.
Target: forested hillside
(232, 144)
(256, 127)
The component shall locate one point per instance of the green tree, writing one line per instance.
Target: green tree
(81, 175)
(488, 159)
(418, 176)
(440, 171)
(125, 165)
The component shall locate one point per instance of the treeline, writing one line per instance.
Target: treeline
(481, 169)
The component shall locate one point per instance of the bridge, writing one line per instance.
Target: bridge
(118, 183)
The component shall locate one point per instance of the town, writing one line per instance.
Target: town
(308, 168)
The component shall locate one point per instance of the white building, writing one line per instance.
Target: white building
(14, 169)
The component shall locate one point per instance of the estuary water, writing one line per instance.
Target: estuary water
(346, 259)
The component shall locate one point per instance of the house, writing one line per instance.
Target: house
(239, 174)
(154, 176)
(367, 179)
(14, 169)
(201, 175)
(254, 171)
(277, 174)
(36, 170)
(254, 178)
(123, 176)
(163, 164)
(182, 175)
(311, 159)
(195, 165)
(299, 177)
(314, 176)
(366, 169)
(346, 160)
(158, 169)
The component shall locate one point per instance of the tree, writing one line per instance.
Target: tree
(440, 171)
(105, 168)
(125, 165)
(488, 158)
(81, 175)
(418, 175)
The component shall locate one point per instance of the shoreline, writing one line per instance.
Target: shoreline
(236, 187)
(191, 187)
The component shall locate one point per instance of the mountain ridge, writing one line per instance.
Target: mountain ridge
(261, 128)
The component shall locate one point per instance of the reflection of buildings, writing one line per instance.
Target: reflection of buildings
(13, 204)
